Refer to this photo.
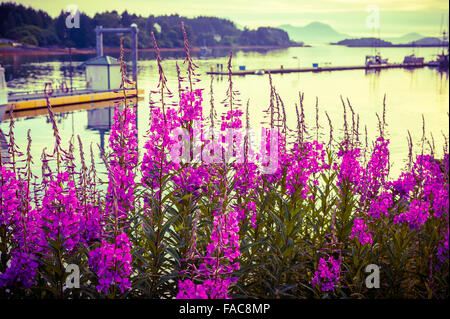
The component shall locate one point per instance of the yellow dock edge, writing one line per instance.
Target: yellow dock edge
(72, 99)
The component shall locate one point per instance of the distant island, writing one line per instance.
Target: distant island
(375, 42)
(26, 27)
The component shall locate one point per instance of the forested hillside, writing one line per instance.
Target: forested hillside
(36, 27)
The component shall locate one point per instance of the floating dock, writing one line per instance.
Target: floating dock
(324, 69)
(30, 101)
(4, 116)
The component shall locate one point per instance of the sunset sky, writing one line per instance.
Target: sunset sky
(397, 17)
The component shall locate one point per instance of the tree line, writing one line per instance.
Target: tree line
(37, 27)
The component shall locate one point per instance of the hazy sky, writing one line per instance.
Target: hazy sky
(397, 17)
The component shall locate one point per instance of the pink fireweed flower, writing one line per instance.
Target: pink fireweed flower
(404, 185)
(380, 206)
(416, 216)
(219, 262)
(189, 290)
(428, 178)
(21, 271)
(247, 177)
(112, 264)
(225, 235)
(60, 211)
(191, 105)
(376, 173)
(435, 188)
(328, 274)
(209, 289)
(191, 179)
(9, 201)
(350, 170)
(156, 161)
(23, 225)
(360, 231)
(122, 162)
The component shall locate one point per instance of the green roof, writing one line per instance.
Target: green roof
(102, 60)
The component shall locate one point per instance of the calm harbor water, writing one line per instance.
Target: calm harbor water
(410, 93)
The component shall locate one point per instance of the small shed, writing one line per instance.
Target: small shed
(103, 73)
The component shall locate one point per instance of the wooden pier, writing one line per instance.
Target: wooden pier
(324, 69)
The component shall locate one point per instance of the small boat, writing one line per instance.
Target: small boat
(259, 72)
(442, 58)
(375, 60)
(413, 60)
(440, 62)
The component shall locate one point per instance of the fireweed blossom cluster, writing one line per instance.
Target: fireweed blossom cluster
(426, 188)
(24, 227)
(376, 173)
(350, 170)
(61, 211)
(123, 161)
(360, 231)
(218, 263)
(156, 162)
(111, 262)
(327, 276)
(208, 213)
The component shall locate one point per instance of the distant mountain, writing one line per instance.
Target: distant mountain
(428, 41)
(315, 32)
(407, 38)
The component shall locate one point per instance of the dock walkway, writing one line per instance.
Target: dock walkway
(26, 101)
(324, 69)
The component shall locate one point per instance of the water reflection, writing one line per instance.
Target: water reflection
(4, 155)
(410, 93)
(100, 120)
(91, 121)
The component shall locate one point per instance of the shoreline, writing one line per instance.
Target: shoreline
(391, 46)
(65, 51)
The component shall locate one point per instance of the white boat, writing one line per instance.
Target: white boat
(375, 60)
